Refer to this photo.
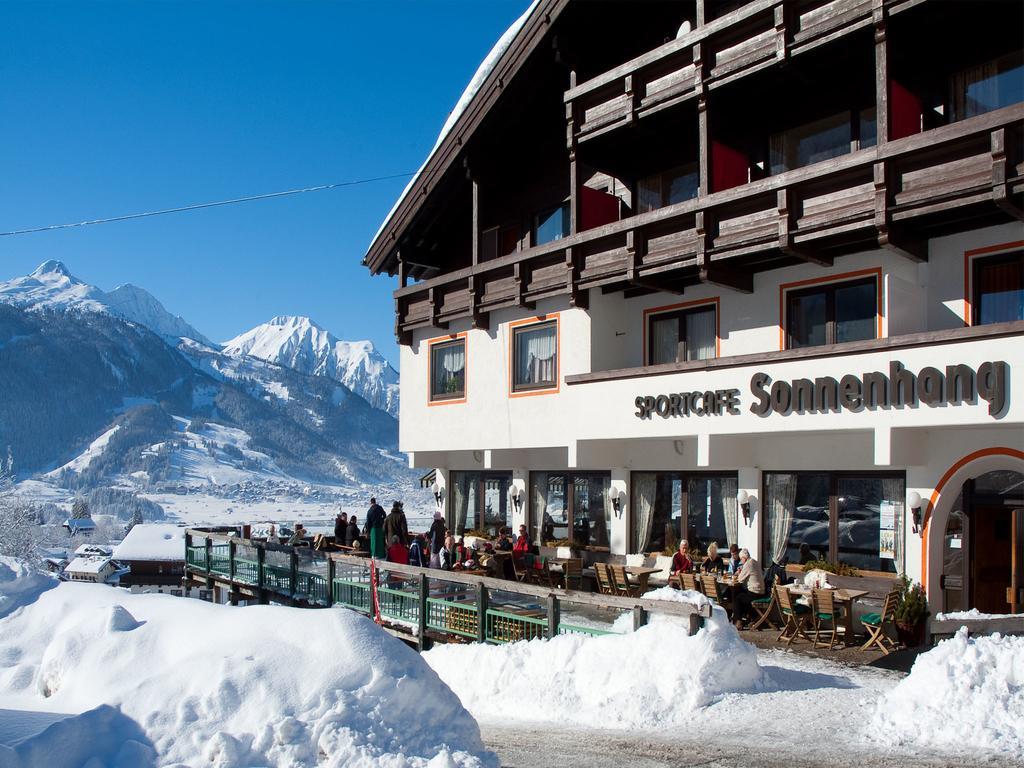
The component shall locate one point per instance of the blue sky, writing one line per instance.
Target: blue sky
(117, 107)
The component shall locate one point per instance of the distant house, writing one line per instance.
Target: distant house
(97, 569)
(84, 550)
(80, 526)
(154, 554)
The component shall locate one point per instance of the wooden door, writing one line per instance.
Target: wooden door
(992, 555)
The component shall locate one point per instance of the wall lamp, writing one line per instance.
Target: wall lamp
(517, 497)
(743, 499)
(914, 502)
(438, 494)
(615, 496)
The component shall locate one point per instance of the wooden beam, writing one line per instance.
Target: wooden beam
(736, 279)
(889, 236)
(480, 320)
(1000, 190)
(521, 276)
(787, 223)
(878, 18)
(476, 221)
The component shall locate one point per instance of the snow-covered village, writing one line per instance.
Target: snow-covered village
(512, 384)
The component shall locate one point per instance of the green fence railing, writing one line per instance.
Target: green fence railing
(353, 594)
(447, 615)
(277, 578)
(312, 586)
(196, 556)
(220, 559)
(247, 571)
(400, 603)
(510, 626)
(575, 629)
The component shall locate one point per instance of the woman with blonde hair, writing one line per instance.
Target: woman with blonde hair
(713, 562)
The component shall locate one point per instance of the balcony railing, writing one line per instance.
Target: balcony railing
(891, 195)
(755, 36)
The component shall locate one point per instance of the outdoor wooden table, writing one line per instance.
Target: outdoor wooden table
(847, 597)
(642, 574)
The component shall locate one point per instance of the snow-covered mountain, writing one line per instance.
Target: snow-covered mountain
(52, 287)
(302, 345)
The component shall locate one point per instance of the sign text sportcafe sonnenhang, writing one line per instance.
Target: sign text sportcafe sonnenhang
(901, 388)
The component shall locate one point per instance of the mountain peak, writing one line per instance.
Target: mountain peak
(295, 321)
(51, 267)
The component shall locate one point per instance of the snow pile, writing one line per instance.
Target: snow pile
(651, 679)
(194, 684)
(975, 614)
(964, 693)
(20, 585)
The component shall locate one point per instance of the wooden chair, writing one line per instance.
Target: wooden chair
(523, 571)
(794, 616)
(604, 579)
(824, 612)
(875, 624)
(620, 580)
(764, 608)
(572, 573)
(709, 586)
(690, 582)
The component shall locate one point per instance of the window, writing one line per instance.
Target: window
(552, 225)
(821, 140)
(448, 370)
(480, 501)
(987, 87)
(535, 356)
(571, 507)
(685, 334)
(852, 518)
(497, 242)
(998, 288)
(668, 506)
(832, 313)
(668, 188)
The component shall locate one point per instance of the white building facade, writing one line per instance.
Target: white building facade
(864, 406)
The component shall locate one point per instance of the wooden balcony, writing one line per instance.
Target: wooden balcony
(751, 38)
(896, 195)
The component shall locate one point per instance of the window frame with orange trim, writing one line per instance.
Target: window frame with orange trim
(974, 262)
(433, 346)
(680, 311)
(828, 284)
(517, 327)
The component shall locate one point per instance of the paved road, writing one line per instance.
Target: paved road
(529, 747)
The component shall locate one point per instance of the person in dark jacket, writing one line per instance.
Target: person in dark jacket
(418, 552)
(396, 525)
(437, 536)
(352, 531)
(340, 528)
(375, 517)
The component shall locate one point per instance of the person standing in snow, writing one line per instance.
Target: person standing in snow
(375, 517)
(396, 525)
(437, 536)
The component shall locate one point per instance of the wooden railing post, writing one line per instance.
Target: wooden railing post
(694, 624)
(209, 554)
(639, 617)
(421, 622)
(481, 613)
(330, 581)
(554, 615)
(261, 559)
(231, 559)
(294, 557)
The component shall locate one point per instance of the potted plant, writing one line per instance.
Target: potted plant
(911, 612)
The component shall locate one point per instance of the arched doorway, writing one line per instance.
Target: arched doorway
(983, 546)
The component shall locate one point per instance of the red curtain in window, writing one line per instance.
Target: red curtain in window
(729, 167)
(597, 208)
(904, 111)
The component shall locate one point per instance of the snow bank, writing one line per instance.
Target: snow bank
(974, 613)
(205, 685)
(650, 679)
(20, 585)
(966, 693)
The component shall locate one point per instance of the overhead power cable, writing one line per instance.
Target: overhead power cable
(214, 204)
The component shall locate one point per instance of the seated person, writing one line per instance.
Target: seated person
(449, 558)
(681, 562)
(504, 542)
(713, 562)
(732, 562)
(298, 537)
(397, 553)
(749, 587)
(522, 546)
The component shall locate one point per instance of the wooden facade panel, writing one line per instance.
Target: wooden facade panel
(605, 112)
(662, 86)
(605, 262)
(546, 275)
(417, 308)
(745, 53)
(820, 19)
(748, 227)
(498, 289)
(455, 300)
(670, 243)
(944, 179)
(840, 205)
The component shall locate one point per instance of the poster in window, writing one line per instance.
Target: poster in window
(887, 531)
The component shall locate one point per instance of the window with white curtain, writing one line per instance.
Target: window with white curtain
(535, 357)
(448, 370)
(676, 337)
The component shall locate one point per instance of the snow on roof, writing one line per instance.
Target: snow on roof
(91, 564)
(79, 524)
(152, 541)
(93, 549)
(477, 81)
